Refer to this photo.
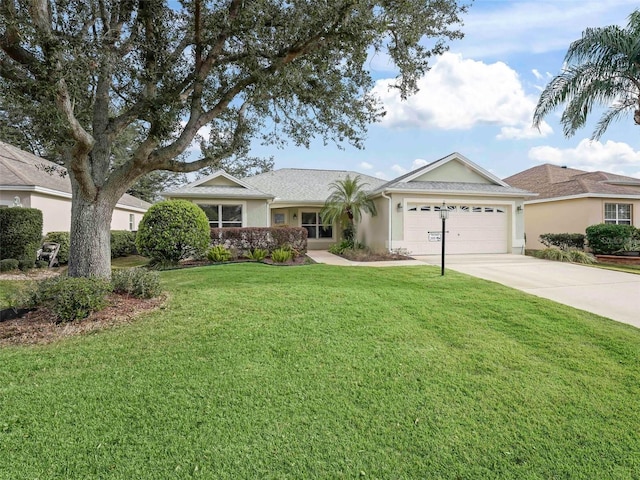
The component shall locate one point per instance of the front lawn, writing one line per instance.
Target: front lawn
(254, 371)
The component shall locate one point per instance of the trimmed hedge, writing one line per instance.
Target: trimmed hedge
(606, 238)
(123, 243)
(173, 230)
(245, 240)
(20, 234)
(563, 241)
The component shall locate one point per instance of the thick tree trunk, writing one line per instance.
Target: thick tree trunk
(90, 250)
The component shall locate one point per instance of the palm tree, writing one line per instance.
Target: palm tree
(601, 69)
(345, 205)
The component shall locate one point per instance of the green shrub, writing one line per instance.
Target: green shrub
(218, 253)
(42, 264)
(553, 253)
(281, 255)
(8, 265)
(339, 248)
(580, 256)
(563, 241)
(20, 234)
(137, 282)
(68, 298)
(606, 238)
(257, 254)
(123, 243)
(26, 263)
(63, 239)
(173, 230)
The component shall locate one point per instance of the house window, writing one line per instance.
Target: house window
(617, 213)
(279, 218)
(223, 216)
(313, 223)
(132, 222)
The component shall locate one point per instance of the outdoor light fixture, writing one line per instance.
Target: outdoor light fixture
(444, 214)
(295, 216)
(400, 207)
(519, 209)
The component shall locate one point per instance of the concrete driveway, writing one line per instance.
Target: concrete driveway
(614, 295)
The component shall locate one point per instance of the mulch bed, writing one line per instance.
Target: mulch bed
(40, 327)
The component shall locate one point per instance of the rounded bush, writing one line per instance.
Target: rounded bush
(606, 238)
(173, 230)
(8, 264)
(20, 234)
(123, 243)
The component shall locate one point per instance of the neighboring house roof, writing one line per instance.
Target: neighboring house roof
(552, 182)
(20, 170)
(424, 179)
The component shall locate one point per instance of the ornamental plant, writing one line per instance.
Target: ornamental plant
(171, 231)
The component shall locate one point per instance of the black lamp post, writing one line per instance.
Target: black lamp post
(444, 214)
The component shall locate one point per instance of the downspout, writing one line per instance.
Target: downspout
(268, 223)
(389, 247)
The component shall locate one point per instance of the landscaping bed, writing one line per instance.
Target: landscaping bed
(619, 259)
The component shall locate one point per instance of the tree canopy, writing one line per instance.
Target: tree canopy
(84, 71)
(602, 69)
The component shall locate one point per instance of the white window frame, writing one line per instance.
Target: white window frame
(132, 222)
(617, 220)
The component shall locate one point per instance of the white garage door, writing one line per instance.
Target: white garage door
(470, 229)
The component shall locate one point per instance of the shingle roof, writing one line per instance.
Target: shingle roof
(217, 191)
(20, 168)
(456, 187)
(305, 185)
(551, 181)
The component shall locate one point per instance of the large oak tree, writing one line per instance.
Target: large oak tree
(85, 70)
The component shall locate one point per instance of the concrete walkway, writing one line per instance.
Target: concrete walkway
(322, 256)
(612, 294)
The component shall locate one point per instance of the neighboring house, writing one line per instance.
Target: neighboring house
(35, 182)
(569, 200)
(485, 212)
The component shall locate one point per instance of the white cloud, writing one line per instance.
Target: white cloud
(614, 157)
(366, 166)
(381, 175)
(398, 170)
(497, 29)
(459, 94)
(537, 74)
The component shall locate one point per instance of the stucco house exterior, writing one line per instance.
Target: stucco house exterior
(27, 179)
(569, 200)
(485, 213)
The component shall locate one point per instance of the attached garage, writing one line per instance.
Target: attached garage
(485, 213)
(469, 229)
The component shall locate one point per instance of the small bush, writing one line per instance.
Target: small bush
(63, 239)
(553, 253)
(218, 254)
(606, 238)
(257, 254)
(173, 230)
(68, 298)
(8, 265)
(246, 239)
(26, 263)
(20, 234)
(563, 241)
(123, 243)
(339, 248)
(137, 282)
(281, 255)
(579, 256)
(42, 264)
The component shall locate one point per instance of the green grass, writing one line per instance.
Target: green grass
(254, 371)
(129, 261)
(618, 267)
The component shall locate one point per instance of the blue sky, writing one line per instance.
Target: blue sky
(510, 51)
